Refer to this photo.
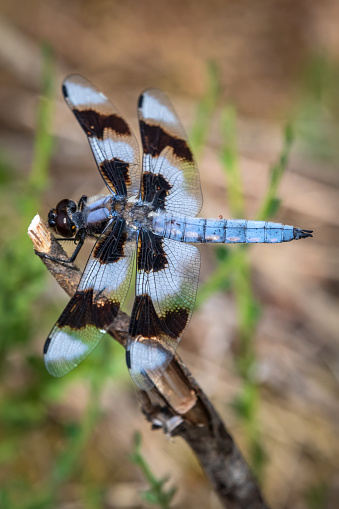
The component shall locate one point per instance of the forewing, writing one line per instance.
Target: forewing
(170, 178)
(95, 304)
(112, 142)
(166, 287)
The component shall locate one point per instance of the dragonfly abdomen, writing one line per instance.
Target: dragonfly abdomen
(225, 231)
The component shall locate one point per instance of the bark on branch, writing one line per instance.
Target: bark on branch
(176, 404)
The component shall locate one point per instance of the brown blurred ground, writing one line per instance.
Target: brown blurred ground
(262, 49)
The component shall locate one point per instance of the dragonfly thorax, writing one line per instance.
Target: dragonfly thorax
(136, 214)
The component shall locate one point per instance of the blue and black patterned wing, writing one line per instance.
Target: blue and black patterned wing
(113, 144)
(166, 287)
(170, 178)
(94, 306)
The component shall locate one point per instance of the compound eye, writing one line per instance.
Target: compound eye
(64, 226)
(66, 206)
(52, 216)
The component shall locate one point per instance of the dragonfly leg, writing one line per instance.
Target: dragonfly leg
(79, 239)
(82, 202)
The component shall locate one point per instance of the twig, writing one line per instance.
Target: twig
(176, 403)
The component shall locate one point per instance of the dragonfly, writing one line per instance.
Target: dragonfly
(147, 221)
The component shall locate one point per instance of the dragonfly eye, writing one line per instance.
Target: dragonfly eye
(63, 225)
(60, 218)
(66, 206)
(52, 219)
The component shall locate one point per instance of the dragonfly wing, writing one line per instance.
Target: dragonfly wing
(94, 306)
(166, 287)
(113, 144)
(170, 177)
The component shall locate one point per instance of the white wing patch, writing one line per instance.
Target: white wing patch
(65, 346)
(111, 276)
(107, 149)
(146, 361)
(82, 96)
(154, 110)
(146, 357)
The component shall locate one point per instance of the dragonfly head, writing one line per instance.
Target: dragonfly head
(60, 218)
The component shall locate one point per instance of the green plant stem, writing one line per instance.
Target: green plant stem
(156, 494)
(271, 203)
(230, 162)
(205, 110)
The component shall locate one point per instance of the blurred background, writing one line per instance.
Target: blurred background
(255, 84)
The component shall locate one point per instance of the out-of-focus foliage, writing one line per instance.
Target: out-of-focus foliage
(22, 275)
(22, 280)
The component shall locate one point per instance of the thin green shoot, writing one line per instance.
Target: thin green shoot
(156, 493)
(230, 162)
(271, 202)
(205, 110)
